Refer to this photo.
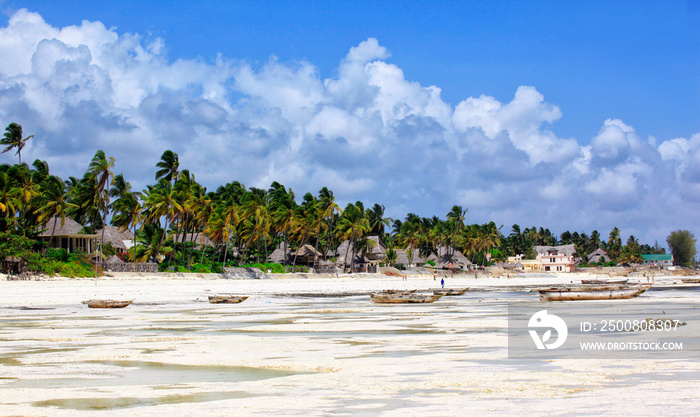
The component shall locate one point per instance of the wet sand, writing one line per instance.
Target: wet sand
(290, 350)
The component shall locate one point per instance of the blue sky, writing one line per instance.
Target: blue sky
(633, 60)
(521, 111)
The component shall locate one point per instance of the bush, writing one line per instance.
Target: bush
(217, 267)
(272, 267)
(430, 262)
(57, 254)
(201, 269)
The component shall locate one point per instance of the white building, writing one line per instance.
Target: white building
(556, 258)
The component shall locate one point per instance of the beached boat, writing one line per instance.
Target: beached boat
(589, 292)
(107, 303)
(603, 282)
(403, 298)
(226, 299)
(397, 292)
(449, 291)
(690, 280)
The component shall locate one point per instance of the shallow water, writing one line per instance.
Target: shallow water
(402, 356)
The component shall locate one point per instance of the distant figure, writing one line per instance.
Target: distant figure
(442, 282)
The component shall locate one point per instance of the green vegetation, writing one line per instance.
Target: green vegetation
(247, 224)
(682, 245)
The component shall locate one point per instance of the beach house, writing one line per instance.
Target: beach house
(658, 260)
(121, 240)
(556, 258)
(66, 234)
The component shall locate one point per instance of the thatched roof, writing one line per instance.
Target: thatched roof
(278, 255)
(67, 227)
(307, 251)
(114, 260)
(379, 247)
(402, 257)
(449, 258)
(599, 255)
(198, 238)
(115, 236)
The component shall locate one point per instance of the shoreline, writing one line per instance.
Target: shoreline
(173, 288)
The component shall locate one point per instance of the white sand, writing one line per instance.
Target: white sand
(171, 353)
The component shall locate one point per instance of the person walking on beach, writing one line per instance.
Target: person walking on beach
(442, 282)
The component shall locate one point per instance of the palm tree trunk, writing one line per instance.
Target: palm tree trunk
(345, 259)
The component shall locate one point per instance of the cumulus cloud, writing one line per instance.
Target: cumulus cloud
(368, 133)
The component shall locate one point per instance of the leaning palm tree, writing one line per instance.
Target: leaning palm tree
(13, 139)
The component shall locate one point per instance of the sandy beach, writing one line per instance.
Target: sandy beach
(310, 346)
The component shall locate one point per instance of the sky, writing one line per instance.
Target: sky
(576, 115)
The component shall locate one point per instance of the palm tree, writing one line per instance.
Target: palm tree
(128, 211)
(306, 220)
(149, 243)
(456, 217)
(161, 202)
(53, 203)
(377, 221)
(327, 211)
(13, 139)
(614, 243)
(390, 256)
(168, 164)
(9, 199)
(282, 207)
(100, 173)
(352, 226)
(257, 216)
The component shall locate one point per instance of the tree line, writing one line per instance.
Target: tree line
(246, 223)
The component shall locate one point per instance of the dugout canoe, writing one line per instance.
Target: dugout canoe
(403, 298)
(449, 291)
(107, 303)
(226, 299)
(599, 292)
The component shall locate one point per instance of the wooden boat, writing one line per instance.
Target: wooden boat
(603, 282)
(449, 291)
(588, 292)
(397, 292)
(107, 303)
(227, 299)
(690, 280)
(403, 298)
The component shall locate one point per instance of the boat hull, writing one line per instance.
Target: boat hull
(576, 294)
(107, 303)
(449, 291)
(226, 299)
(403, 298)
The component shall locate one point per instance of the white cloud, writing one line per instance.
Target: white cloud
(368, 133)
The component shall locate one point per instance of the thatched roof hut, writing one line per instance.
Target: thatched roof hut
(402, 257)
(449, 258)
(66, 235)
(114, 260)
(116, 237)
(599, 255)
(199, 238)
(61, 227)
